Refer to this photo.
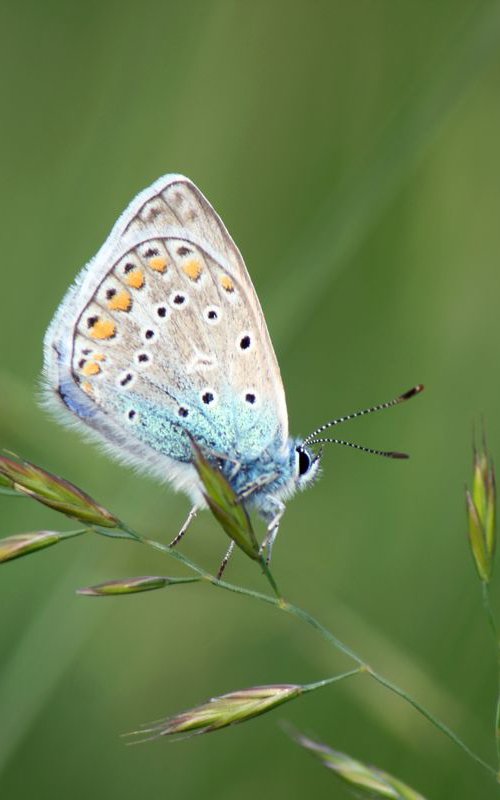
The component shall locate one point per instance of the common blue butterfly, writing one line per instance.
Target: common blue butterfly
(162, 339)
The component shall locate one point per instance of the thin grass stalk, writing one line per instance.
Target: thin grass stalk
(120, 530)
(494, 630)
(300, 614)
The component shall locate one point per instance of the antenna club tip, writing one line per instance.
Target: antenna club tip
(411, 392)
(396, 454)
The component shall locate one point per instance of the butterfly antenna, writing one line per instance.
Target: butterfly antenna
(312, 438)
(385, 453)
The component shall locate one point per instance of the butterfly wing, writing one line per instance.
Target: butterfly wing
(163, 336)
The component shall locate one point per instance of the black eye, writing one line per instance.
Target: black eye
(304, 461)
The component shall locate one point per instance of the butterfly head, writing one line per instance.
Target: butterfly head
(306, 465)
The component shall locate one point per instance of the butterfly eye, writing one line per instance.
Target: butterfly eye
(304, 461)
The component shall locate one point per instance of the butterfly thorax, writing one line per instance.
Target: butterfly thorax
(268, 480)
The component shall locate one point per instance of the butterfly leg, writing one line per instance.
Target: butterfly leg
(257, 484)
(272, 528)
(184, 528)
(225, 560)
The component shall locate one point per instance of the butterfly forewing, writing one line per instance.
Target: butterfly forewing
(164, 335)
(175, 202)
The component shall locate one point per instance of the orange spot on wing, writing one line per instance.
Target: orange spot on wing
(99, 357)
(103, 329)
(91, 368)
(227, 283)
(158, 263)
(120, 302)
(135, 279)
(193, 269)
(87, 387)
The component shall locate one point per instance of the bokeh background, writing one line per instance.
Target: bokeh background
(353, 152)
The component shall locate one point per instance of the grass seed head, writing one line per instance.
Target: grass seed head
(57, 493)
(366, 780)
(481, 513)
(220, 712)
(24, 543)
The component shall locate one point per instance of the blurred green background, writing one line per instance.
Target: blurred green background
(353, 151)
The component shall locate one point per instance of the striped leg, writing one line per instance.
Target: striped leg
(184, 528)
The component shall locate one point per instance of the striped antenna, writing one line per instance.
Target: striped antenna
(386, 453)
(311, 439)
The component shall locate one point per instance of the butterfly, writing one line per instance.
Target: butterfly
(161, 341)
